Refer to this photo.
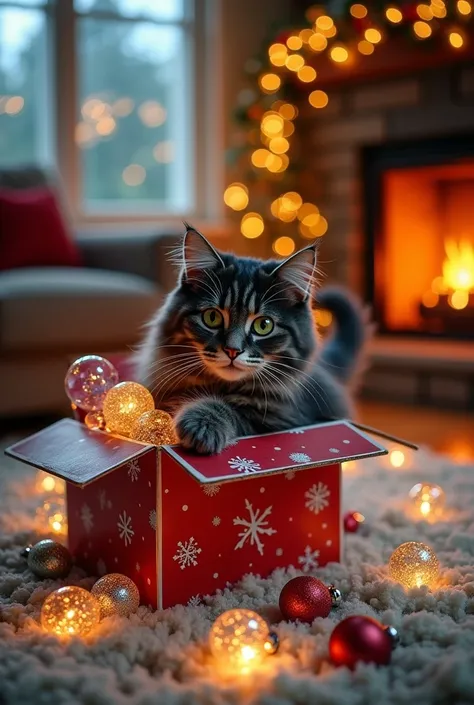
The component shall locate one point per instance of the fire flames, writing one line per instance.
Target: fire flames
(457, 280)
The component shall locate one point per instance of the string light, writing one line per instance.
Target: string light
(358, 11)
(393, 14)
(365, 47)
(279, 145)
(70, 611)
(270, 82)
(456, 40)
(288, 111)
(307, 74)
(324, 23)
(294, 62)
(318, 42)
(276, 163)
(424, 12)
(236, 196)
(294, 42)
(277, 54)
(124, 404)
(422, 29)
(305, 35)
(397, 458)
(252, 225)
(279, 211)
(427, 498)
(284, 246)
(414, 564)
(272, 124)
(240, 639)
(438, 9)
(259, 157)
(318, 99)
(373, 35)
(464, 7)
(339, 54)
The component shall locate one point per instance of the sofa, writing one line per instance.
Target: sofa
(51, 315)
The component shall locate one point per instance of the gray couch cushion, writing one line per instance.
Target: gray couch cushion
(65, 309)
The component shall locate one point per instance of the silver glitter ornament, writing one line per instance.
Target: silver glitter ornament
(117, 595)
(336, 595)
(48, 559)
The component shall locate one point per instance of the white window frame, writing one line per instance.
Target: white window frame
(205, 86)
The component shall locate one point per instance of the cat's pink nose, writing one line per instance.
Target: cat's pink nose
(232, 352)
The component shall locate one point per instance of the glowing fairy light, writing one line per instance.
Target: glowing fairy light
(414, 564)
(240, 639)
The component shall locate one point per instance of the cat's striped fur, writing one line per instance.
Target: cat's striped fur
(263, 382)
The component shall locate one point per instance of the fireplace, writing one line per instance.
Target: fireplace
(419, 236)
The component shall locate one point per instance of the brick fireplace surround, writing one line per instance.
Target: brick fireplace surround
(417, 105)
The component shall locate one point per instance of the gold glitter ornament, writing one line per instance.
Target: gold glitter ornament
(155, 427)
(124, 404)
(413, 564)
(116, 594)
(240, 639)
(48, 559)
(95, 421)
(70, 611)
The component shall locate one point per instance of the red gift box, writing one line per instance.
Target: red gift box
(183, 525)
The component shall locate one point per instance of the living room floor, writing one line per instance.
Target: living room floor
(445, 431)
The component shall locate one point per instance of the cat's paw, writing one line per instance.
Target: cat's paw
(206, 426)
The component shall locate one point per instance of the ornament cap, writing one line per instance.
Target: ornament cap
(393, 634)
(336, 595)
(272, 643)
(25, 551)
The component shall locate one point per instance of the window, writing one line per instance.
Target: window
(121, 121)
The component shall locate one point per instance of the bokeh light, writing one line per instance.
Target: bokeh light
(236, 196)
(294, 62)
(270, 82)
(284, 246)
(339, 54)
(373, 35)
(318, 99)
(456, 40)
(422, 29)
(393, 14)
(151, 113)
(134, 175)
(252, 225)
(358, 11)
(318, 42)
(307, 74)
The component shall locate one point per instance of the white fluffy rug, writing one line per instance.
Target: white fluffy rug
(161, 657)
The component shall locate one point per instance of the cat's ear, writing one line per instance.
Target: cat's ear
(297, 272)
(198, 254)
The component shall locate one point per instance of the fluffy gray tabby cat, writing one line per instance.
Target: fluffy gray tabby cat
(234, 350)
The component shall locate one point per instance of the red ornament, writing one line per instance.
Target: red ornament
(361, 639)
(352, 522)
(305, 598)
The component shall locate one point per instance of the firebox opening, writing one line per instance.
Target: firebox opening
(423, 248)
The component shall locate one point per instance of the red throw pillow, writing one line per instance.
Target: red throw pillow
(32, 231)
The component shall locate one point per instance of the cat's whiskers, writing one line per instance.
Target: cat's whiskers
(300, 383)
(182, 367)
(163, 363)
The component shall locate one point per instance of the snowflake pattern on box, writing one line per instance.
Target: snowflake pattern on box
(244, 465)
(290, 475)
(124, 525)
(87, 517)
(133, 470)
(102, 499)
(254, 526)
(211, 490)
(216, 521)
(300, 457)
(317, 498)
(309, 560)
(194, 601)
(152, 518)
(187, 553)
(334, 450)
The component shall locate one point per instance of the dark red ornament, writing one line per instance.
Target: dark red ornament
(361, 639)
(305, 598)
(351, 523)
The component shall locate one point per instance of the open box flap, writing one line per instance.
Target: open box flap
(305, 447)
(68, 449)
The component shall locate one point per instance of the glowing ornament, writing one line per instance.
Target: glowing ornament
(427, 498)
(88, 380)
(48, 559)
(240, 639)
(124, 404)
(70, 611)
(95, 421)
(361, 639)
(352, 521)
(413, 564)
(155, 427)
(116, 594)
(306, 598)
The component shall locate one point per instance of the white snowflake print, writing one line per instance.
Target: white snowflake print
(187, 553)
(125, 528)
(152, 518)
(101, 567)
(334, 450)
(87, 517)
(194, 601)
(297, 430)
(300, 458)
(211, 490)
(290, 475)
(102, 499)
(254, 526)
(244, 465)
(137, 567)
(317, 498)
(216, 521)
(133, 470)
(309, 560)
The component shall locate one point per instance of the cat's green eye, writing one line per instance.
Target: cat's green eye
(263, 325)
(212, 318)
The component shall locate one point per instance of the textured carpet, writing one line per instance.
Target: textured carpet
(161, 657)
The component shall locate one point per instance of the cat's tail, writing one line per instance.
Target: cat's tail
(342, 351)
